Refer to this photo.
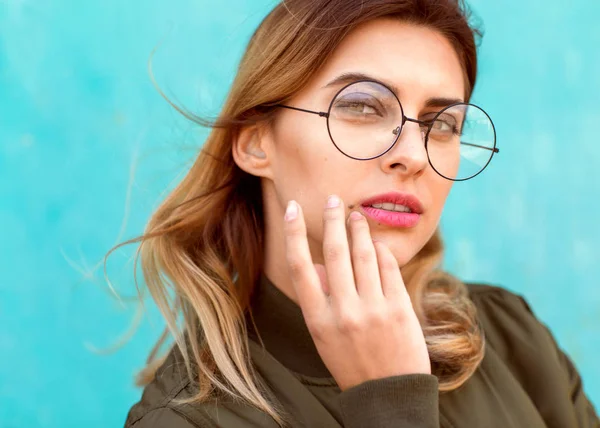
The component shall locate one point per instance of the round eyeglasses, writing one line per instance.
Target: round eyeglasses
(365, 119)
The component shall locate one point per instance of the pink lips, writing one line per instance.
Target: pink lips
(392, 218)
(395, 219)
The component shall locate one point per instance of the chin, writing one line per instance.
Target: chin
(403, 250)
(402, 255)
(403, 261)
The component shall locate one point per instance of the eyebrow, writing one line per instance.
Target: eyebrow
(355, 76)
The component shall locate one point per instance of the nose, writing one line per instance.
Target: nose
(408, 155)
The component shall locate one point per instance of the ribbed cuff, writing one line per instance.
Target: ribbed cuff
(407, 401)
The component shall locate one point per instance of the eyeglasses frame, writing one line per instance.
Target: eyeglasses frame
(399, 128)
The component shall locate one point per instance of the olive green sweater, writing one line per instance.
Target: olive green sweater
(524, 380)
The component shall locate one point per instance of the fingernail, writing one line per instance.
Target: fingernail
(355, 215)
(333, 202)
(291, 211)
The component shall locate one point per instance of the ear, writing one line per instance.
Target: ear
(251, 149)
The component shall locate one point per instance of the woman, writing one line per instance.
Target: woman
(352, 117)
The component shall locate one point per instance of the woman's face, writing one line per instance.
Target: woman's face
(304, 165)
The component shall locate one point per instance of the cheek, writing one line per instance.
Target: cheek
(307, 162)
(439, 188)
(406, 246)
(299, 143)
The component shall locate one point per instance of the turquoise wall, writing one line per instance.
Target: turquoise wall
(87, 148)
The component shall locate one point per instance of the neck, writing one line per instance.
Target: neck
(281, 326)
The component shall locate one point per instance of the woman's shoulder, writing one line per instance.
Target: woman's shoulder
(160, 404)
(156, 405)
(480, 290)
(508, 320)
(512, 332)
(530, 351)
(519, 338)
(495, 298)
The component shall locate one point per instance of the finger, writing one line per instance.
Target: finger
(312, 300)
(336, 253)
(392, 283)
(322, 272)
(364, 258)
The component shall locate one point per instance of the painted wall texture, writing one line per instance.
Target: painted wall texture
(88, 148)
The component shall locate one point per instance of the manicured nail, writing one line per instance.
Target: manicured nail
(291, 211)
(333, 202)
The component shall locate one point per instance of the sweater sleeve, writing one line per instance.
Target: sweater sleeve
(584, 410)
(406, 401)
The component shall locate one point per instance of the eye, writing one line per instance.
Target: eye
(443, 126)
(359, 104)
(358, 107)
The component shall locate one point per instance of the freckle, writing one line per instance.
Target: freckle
(350, 206)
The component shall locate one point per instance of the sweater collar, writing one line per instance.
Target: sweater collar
(280, 324)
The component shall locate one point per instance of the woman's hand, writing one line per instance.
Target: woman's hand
(356, 307)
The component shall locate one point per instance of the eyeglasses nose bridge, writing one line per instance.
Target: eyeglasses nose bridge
(405, 119)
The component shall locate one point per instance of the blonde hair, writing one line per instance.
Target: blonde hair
(205, 241)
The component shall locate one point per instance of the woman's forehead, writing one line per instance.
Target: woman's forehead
(413, 60)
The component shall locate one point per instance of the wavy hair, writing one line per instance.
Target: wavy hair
(190, 252)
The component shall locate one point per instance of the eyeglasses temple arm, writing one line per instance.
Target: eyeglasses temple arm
(495, 149)
(320, 113)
